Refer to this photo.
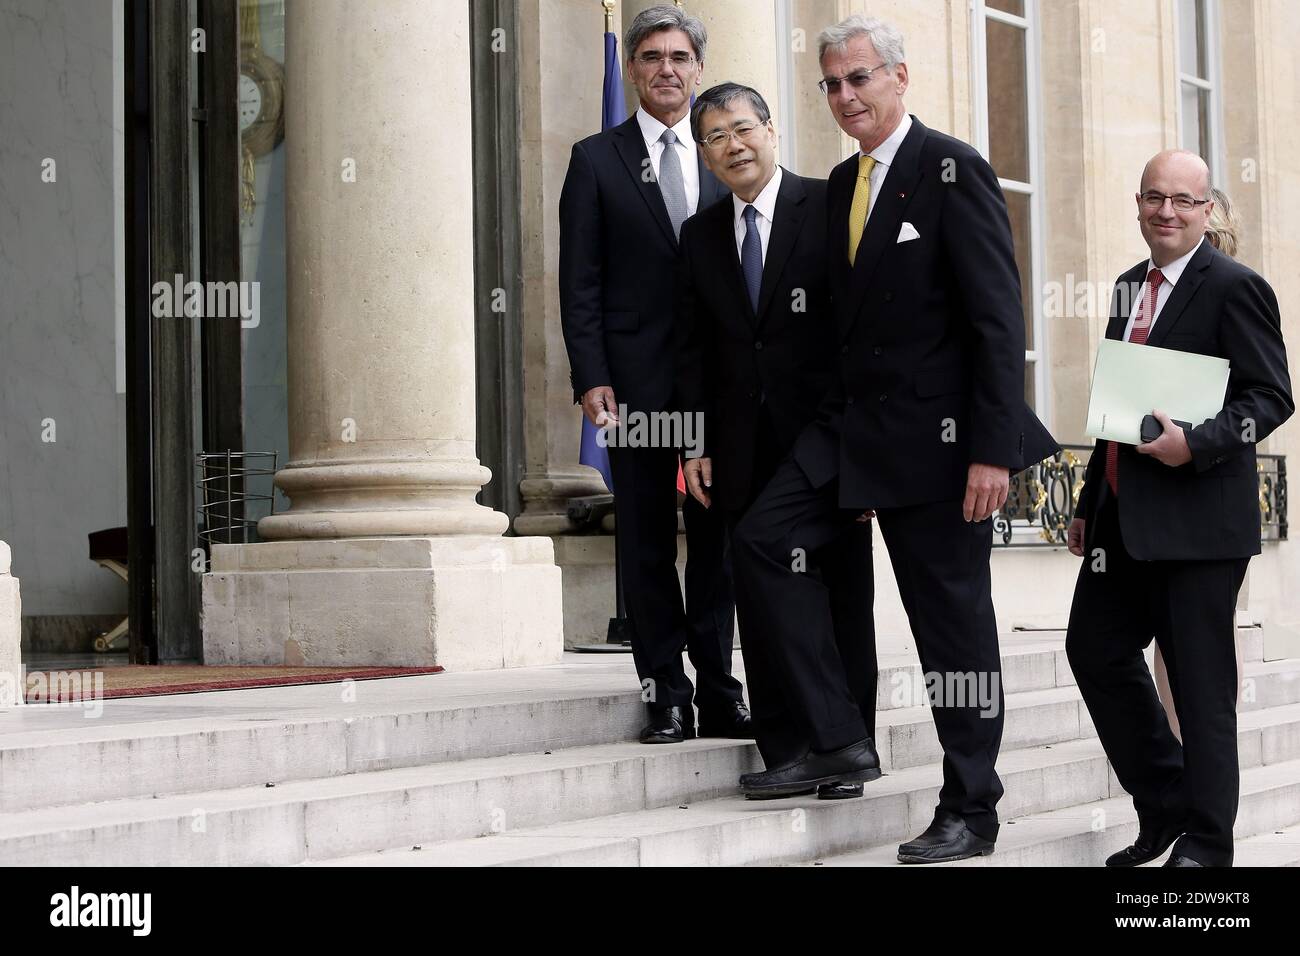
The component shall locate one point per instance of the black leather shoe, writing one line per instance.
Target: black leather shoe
(733, 722)
(839, 791)
(1145, 848)
(1176, 860)
(669, 725)
(851, 764)
(946, 839)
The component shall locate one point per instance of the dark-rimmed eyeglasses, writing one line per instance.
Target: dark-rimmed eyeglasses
(830, 85)
(1182, 202)
(719, 138)
(678, 60)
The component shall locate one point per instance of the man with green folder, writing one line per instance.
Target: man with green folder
(1167, 528)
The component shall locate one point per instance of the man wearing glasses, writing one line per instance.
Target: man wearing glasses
(627, 192)
(755, 361)
(1166, 530)
(924, 424)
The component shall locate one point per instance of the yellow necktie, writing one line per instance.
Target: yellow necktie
(861, 203)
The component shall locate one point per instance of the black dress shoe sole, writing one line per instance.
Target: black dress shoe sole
(833, 792)
(1139, 861)
(795, 787)
(779, 796)
(951, 858)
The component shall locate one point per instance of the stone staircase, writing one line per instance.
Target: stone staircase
(536, 767)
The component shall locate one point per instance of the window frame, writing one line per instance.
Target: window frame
(1036, 358)
(1210, 83)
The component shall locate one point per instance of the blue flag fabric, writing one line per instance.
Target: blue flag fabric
(611, 114)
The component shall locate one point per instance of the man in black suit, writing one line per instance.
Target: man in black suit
(625, 196)
(1168, 528)
(925, 423)
(754, 363)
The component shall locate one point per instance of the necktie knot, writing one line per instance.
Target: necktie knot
(751, 215)
(1155, 277)
(668, 137)
(865, 165)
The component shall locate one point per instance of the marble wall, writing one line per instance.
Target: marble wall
(62, 419)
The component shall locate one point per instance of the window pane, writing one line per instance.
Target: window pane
(1191, 37)
(1007, 6)
(1008, 102)
(1018, 210)
(1194, 104)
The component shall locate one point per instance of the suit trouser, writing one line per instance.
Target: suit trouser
(645, 510)
(844, 566)
(1188, 607)
(941, 563)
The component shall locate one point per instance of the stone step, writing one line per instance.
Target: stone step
(732, 830)
(53, 756)
(1086, 834)
(543, 787)
(146, 747)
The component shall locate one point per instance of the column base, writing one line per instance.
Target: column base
(463, 603)
(11, 677)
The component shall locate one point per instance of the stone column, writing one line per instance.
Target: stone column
(381, 374)
(11, 680)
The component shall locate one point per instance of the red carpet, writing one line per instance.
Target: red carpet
(137, 680)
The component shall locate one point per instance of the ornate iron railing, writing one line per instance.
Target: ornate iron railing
(1041, 500)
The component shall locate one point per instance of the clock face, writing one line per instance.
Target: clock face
(250, 101)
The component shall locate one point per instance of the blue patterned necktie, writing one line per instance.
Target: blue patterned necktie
(751, 257)
(671, 183)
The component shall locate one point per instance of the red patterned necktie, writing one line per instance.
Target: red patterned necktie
(1141, 328)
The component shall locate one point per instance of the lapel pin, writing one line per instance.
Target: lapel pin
(902, 195)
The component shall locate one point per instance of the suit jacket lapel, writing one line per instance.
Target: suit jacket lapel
(887, 209)
(791, 207)
(1127, 291)
(630, 145)
(1182, 293)
(839, 196)
(725, 237)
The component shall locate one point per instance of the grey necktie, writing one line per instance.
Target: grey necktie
(671, 184)
(751, 257)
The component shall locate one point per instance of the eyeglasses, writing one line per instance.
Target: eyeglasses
(656, 60)
(1182, 202)
(719, 138)
(857, 79)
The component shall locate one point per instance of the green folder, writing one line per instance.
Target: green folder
(1130, 381)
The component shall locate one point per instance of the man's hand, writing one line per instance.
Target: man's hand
(1074, 537)
(599, 406)
(698, 473)
(1171, 447)
(986, 490)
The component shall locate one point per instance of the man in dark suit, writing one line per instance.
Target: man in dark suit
(754, 360)
(626, 195)
(925, 423)
(1168, 528)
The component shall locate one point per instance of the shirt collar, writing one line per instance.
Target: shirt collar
(764, 202)
(885, 152)
(1174, 271)
(652, 129)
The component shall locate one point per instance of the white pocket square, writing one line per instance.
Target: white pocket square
(907, 233)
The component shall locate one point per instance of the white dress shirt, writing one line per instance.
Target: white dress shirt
(1172, 273)
(884, 155)
(765, 204)
(652, 129)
